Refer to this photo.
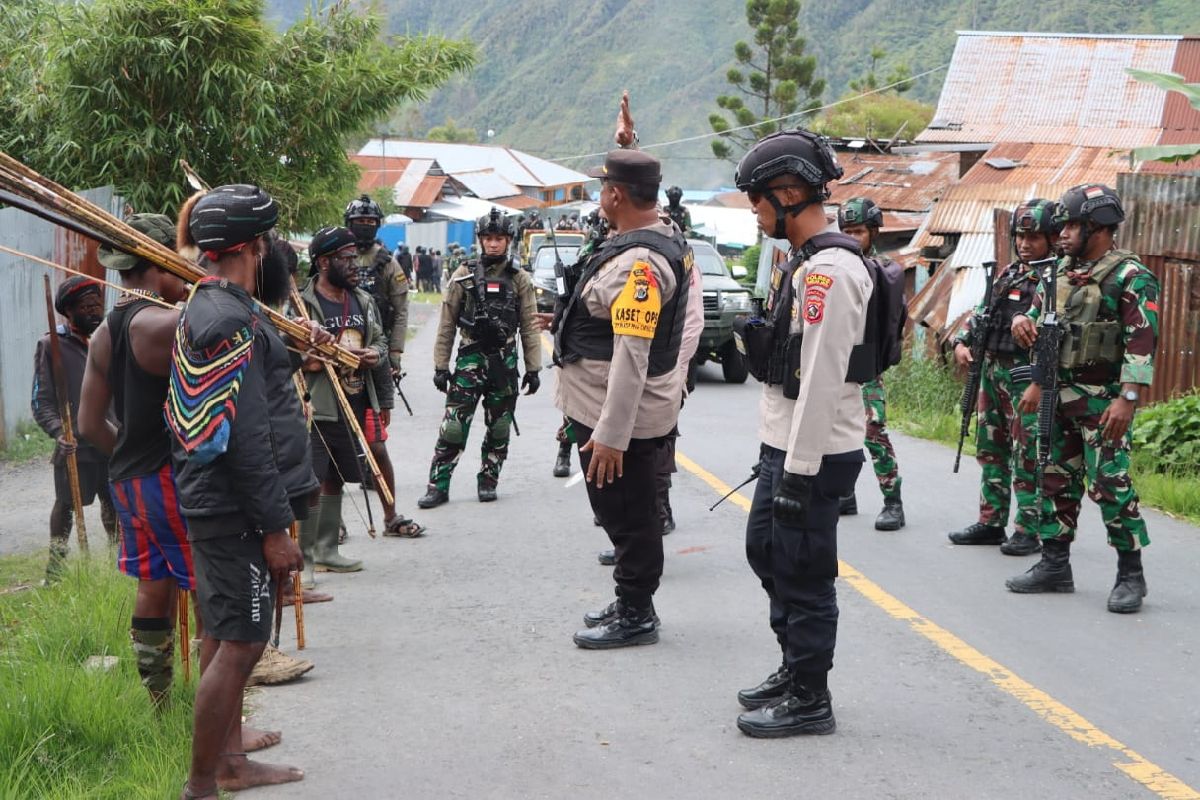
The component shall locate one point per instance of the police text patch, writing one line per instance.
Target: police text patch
(637, 308)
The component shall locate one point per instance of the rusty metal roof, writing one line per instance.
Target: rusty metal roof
(1178, 115)
(1053, 89)
(895, 182)
(414, 182)
(967, 208)
(1162, 215)
(1048, 163)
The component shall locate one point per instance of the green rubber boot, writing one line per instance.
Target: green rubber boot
(308, 543)
(325, 554)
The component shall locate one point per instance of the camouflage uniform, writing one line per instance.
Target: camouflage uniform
(1078, 450)
(878, 443)
(1005, 440)
(479, 374)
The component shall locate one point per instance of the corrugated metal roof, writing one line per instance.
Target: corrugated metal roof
(895, 182)
(414, 182)
(1048, 164)
(517, 201)
(514, 166)
(486, 183)
(1178, 114)
(1052, 89)
(1162, 215)
(967, 208)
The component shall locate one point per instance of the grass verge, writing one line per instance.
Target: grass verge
(923, 399)
(67, 732)
(28, 442)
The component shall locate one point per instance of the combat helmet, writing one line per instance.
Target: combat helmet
(860, 211)
(1090, 202)
(362, 206)
(798, 152)
(495, 223)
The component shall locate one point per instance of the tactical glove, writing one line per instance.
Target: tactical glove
(441, 379)
(531, 382)
(792, 499)
(394, 356)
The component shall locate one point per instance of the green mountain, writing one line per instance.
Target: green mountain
(550, 74)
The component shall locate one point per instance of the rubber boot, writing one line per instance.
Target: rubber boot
(1127, 593)
(891, 518)
(154, 649)
(562, 464)
(325, 554)
(848, 505)
(1051, 574)
(308, 542)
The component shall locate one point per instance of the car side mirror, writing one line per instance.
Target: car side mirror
(738, 272)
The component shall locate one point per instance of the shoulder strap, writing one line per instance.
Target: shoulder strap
(826, 240)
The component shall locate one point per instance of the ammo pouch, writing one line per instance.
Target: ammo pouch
(791, 366)
(755, 338)
(1085, 343)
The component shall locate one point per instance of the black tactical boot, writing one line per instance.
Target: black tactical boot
(1126, 595)
(562, 464)
(433, 498)
(978, 533)
(1021, 544)
(848, 505)
(800, 710)
(774, 687)
(487, 490)
(607, 558)
(1051, 574)
(891, 518)
(609, 613)
(629, 626)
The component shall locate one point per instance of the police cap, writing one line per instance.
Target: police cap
(629, 166)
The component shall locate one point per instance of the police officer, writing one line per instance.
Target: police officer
(812, 425)
(1005, 443)
(1108, 303)
(678, 212)
(490, 301)
(618, 339)
(861, 219)
(380, 275)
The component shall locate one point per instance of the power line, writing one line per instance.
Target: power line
(702, 136)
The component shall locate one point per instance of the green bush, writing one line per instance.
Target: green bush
(1167, 435)
(750, 262)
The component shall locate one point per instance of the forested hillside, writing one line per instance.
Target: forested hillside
(549, 74)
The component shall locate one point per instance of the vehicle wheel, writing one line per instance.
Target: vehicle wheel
(733, 364)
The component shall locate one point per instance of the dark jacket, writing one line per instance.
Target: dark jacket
(268, 459)
(44, 403)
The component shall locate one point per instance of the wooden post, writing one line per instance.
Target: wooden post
(64, 413)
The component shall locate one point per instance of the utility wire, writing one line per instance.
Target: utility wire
(701, 136)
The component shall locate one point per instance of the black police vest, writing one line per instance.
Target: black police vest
(496, 297)
(580, 335)
(998, 338)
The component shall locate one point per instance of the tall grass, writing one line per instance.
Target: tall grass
(66, 732)
(27, 442)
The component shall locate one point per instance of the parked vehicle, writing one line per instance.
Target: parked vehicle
(542, 266)
(725, 300)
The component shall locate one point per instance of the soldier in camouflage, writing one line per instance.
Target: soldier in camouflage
(1108, 302)
(490, 301)
(1005, 444)
(861, 219)
(678, 212)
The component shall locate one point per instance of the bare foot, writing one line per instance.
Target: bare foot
(253, 739)
(236, 773)
(189, 794)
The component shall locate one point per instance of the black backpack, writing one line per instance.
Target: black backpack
(884, 334)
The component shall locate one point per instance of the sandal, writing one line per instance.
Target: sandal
(404, 528)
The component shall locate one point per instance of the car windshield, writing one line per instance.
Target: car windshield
(543, 260)
(710, 260)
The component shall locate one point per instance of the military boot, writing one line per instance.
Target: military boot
(1051, 574)
(562, 464)
(607, 614)
(802, 709)
(433, 498)
(891, 518)
(629, 625)
(848, 505)
(978, 533)
(487, 489)
(774, 687)
(326, 557)
(1021, 544)
(1127, 593)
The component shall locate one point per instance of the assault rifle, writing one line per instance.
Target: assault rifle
(1045, 366)
(396, 378)
(979, 330)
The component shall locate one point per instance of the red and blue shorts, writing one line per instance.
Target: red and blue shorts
(154, 540)
(373, 427)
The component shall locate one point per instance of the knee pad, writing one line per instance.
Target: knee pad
(452, 431)
(500, 430)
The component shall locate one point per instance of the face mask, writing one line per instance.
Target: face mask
(491, 261)
(274, 275)
(364, 232)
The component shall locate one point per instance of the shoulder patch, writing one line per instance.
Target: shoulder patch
(814, 308)
(637, 308)
(818, 279)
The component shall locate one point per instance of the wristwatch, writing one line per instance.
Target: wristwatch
(1130, 395)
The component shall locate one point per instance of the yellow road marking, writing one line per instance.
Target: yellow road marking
(1133, 764)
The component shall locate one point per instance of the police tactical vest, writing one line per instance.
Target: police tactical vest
(371, 281)
(496, 297)
(998, 338)
(580, 335)
(1092, 332)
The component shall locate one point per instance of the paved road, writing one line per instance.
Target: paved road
(446, 669)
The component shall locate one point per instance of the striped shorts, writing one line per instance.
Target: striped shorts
(154, 540)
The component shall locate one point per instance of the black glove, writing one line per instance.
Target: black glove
(792, 499)
(441, 379)
(531, 382)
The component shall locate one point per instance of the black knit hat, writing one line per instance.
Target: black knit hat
(329, 240)
(230, 216)
(72, 290)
